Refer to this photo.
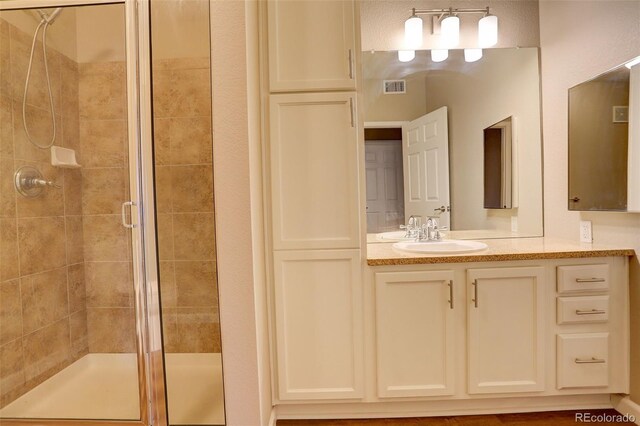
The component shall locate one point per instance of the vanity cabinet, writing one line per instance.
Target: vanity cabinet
(506, 329)
(312, 45)
(415, 333)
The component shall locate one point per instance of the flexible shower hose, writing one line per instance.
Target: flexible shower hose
(26, 86)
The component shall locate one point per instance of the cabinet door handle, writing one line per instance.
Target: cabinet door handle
(450, 294)
(353, 120)
(475, 293)
(590, 280)
(350, 64)
(593, 360)
(590, 312)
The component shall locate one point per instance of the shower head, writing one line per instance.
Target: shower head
(49, 18)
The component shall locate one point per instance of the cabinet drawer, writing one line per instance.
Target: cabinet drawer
(583, 278)
(583, 360)
(583, 309)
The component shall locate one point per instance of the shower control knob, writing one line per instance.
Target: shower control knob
(29, 182)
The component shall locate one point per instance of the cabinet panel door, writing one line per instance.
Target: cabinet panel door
(506, 329)
(311, 45)
(314, 171)
(415, 333)
(318, 313)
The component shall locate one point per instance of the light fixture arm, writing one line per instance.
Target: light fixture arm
(450, 11)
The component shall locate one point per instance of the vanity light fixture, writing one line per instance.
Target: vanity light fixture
(472, 55)
(439, 55)
(450, 31)
(631, 63)
(406, 55)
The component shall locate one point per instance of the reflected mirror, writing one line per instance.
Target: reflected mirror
(426, 148)
(598, 142)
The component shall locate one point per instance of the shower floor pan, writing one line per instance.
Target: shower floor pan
(105, 386)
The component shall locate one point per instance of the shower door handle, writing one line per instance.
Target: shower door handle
(124, 214)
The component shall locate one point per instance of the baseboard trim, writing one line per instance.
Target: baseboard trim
(624, 405)
(460, 407)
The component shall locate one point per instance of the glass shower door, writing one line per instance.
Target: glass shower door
(72, 313)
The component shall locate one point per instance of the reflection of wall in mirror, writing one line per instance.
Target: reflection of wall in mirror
(509, 87)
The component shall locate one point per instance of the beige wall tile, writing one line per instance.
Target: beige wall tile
(46, 351)
(78, 334)
(182, 63)
(111, 330)
(168, 284)
(70, 107)
(103, 142)
(51, 201)
(191, 140)
(102, 91)
(7, 190)
(162, 94)
(5, 59)
(194, 236)
(41, 244)
(40, 128)
(6, 126)
(170, 338)
(165, 236)
(162, 141)
(44, 299)
(109, 284)
(10, 311)
(192, 189)
(105, 239)
(191, 93)
(75, 239)
(163, 181)
(73, 192)
(76, 284)
(8, 249)
(103, 190)
(196, 329)
(195, 283)
(11, 371)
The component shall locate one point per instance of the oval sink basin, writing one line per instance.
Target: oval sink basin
(440, 247)
(392, 236)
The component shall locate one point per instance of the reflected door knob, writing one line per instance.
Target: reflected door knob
(575, 199)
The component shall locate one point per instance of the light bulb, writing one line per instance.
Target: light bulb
(472, 55)
(413, 33)
(488, 31)
(450, 30)
(439, 55)
(406, 55)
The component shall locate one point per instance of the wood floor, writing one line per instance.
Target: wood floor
(551, 418)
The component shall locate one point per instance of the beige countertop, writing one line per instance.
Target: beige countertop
(379, 254)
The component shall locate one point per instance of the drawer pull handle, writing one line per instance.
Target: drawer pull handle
(593, 360)
(475, 293)
(590, 280)
(450, 294)
(591, 312)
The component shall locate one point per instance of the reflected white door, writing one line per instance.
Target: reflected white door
(385, 201)
(425, 149)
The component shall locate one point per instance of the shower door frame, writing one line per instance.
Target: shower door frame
(150, 355)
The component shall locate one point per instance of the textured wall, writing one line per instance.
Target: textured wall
(43, 325)
(383, 22)
(579, 40)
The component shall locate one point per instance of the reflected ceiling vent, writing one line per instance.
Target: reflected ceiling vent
(394, 87)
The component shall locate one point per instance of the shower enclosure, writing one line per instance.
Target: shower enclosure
(108, 295)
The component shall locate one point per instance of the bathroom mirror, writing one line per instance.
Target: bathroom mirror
(598, 142)
(446, 108)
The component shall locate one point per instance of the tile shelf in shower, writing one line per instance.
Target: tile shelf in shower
(64, 158)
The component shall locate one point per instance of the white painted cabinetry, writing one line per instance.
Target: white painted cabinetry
(312, 45)
(415, 333)
(506, 329)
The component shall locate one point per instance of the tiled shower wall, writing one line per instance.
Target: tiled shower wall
(184, 191)
(43, 320)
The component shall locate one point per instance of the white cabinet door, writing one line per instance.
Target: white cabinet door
(318, 315)
(506, 329)
(415, 333)
(314, 171)
(311, 45)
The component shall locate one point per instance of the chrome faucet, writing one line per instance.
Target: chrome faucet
(413, 227)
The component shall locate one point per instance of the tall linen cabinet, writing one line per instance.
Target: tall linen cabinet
(312, 198)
